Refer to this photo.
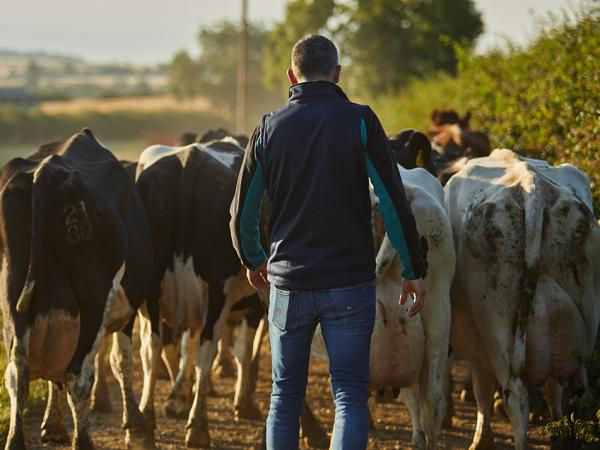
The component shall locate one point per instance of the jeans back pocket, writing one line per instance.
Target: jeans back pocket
(283, 308)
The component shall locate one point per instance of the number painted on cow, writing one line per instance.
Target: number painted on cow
(77, 223)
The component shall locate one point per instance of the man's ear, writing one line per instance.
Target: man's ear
(292, 77)
(336, 74)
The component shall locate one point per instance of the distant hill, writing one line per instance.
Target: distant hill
(39, 54)
(51, 75)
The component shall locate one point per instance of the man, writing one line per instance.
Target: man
(313, 157)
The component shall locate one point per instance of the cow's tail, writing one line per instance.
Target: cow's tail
(42, 182)
(533, 204)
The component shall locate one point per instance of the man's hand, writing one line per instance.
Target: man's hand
(413, 287)
(258, 278)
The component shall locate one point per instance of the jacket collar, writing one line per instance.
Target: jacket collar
(315, 89)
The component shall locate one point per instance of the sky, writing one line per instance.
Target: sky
(143, 31)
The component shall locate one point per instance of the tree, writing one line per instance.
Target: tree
(184, 76)
(301, 18)
(383, 43)
(213, 74)
(390, 41)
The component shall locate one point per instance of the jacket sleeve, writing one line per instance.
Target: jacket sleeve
(246, 206)
(393, 205)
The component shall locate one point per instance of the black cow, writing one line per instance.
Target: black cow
(75, 247)
(412, 149)
(220, 134)
(198, 277)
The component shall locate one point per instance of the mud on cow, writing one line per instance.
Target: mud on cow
(197, 277)
(75, 251)
(410, 353)
(525, 299)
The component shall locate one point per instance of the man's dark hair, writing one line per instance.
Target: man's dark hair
(314, 56)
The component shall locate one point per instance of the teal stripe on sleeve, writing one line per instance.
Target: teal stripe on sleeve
(250, 220)
(363, 132)
(392, 223)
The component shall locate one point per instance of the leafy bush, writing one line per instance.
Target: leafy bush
(545, 100)
(542, 101)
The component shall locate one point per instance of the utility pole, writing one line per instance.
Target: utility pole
(242, 70)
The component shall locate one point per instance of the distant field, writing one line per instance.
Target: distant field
(129, 150)
(137, 104)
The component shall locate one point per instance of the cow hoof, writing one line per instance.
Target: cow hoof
(177, 408)
(418, 441)
(248, 411)
(55, 433)
(499, 408)
(466, 396)
(225, 369)
(485, 443)
(82, 442)
(140, 440)
(197, 437)
(450, 413)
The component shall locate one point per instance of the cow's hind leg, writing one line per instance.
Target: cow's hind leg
(150, 351)
(180, 398)
(218, 310)
(223, 366)
(16, 379)
(256, 350)
(433, 400)
(53, 424)
(516, 404)
(553, 394)
(484, 384)
(121, 359)
(243, 405)
(100, 397)
(312, 432)
(79, 387)
(410, 396)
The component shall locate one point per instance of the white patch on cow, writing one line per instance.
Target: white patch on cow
(53, 342)
(184, 297)
(154, 153)
(225, 158)
(237, 287)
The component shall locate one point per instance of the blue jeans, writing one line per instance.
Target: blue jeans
(346, 316)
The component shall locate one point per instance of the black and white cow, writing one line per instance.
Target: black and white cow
(75, 249)
(198, 278)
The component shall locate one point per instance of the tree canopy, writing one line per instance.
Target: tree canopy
(383, 43)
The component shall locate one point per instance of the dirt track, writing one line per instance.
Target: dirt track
(393, 429)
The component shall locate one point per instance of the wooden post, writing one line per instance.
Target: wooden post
(241, 71)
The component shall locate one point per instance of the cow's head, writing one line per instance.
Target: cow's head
(412, 149)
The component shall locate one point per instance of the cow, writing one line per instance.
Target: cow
(452, 134)
(453, 142)
(75, 246)
(412, 149)
(198, 278)
(410, 353)
(219, 135)
(525, 298)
